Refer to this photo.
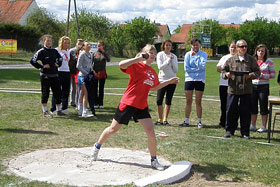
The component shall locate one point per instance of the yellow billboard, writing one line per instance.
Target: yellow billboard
(8, 46)
(209, 51)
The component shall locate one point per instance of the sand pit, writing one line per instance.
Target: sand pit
(71, 166)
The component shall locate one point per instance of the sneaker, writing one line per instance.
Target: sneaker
(166, 123)
(156, 165)
(199, 125)
(184, 124)
(85, 114)
(96, 106)
(94, 153)
(253, 128)
(47, 115)
(66, 111)
(262, 129)
(245, 137)
(80, 112)
(101, 106)
(60, 113)
(53, 112)
(228, 134)
(158, 123)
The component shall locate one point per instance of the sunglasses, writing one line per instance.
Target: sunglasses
(242, 46)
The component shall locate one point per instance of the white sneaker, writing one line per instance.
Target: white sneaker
(101, 106)
(66, 111)
(85, 114)
(156, 165)
(54, 112)
(253, 128)
(80, 112)
(199, 125)
(262, 129)
(94, 153)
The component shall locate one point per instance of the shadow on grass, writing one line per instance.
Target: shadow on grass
(211, 172)
(27, 131)
(102, 115)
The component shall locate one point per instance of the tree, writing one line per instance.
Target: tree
(139, 32)
(117, 39)
(46, 23)
(218, 32)
(260, 31)
(178, 29)
(92, 26)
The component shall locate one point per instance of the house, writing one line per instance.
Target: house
(16, 11)
(179, 39)
(163, 34)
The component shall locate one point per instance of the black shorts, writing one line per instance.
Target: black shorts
(123, 116)
(197, 85)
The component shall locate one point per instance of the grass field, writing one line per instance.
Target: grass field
(23, 129)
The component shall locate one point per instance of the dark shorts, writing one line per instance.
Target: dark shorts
(194, 85)
(124, 115)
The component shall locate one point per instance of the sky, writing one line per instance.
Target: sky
(171, 12)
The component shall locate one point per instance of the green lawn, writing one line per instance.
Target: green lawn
(23, 129)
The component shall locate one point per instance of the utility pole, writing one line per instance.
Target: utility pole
(68, 18)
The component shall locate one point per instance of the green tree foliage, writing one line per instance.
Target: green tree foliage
(139, 32)
(46, 23)
(117, 39)
(260, 31)
(92, 26)
(218, 32)
(177, 30)
(26, 36)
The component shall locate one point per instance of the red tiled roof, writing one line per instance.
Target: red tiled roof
(182, 36)
(12, 11)
(231, 25)
(162, 30)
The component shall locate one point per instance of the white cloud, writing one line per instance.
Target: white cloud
(172, 12)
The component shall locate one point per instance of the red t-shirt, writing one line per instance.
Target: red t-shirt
(141, 79)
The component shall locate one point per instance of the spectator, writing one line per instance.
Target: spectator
(168, 67)
(51, 60)
(239, 70)
(100, 57)
(84, 65)
(261, 87)
(224, 83)
(194, 66)
(63, 74)
(73, 72)
(142, 79)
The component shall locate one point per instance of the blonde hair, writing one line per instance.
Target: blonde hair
(149, 48)
(61, 41)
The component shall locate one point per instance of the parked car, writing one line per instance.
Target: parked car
(93, 48)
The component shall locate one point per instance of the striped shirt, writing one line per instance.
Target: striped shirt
(267, 69)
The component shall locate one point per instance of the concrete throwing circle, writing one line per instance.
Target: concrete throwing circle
(71, 166)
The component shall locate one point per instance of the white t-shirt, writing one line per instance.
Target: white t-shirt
(167, 67)
(66, 57)
(221, 63)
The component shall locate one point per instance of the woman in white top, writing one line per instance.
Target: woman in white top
(168, 67)
(63, 74)
(224, 83)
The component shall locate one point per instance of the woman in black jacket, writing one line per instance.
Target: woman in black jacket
(51, 60)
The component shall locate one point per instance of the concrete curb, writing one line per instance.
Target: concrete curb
(174, 173)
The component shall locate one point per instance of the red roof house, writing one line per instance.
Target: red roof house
(16, 11)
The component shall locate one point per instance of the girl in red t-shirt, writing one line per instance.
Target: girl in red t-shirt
(142, 79)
